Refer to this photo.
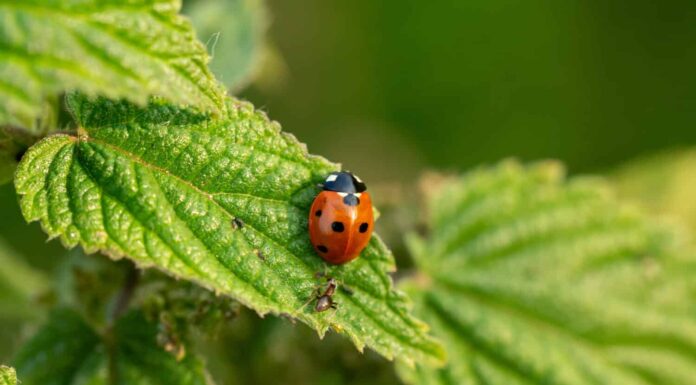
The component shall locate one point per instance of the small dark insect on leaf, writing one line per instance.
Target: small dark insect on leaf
(325, 300)
(237, 223)
(260, 254)
(324, 303)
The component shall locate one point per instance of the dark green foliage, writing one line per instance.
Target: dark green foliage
(68, 351)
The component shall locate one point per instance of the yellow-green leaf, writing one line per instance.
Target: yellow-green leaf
(665, 183)
(530, 278)
(118, 48)
(7, 375)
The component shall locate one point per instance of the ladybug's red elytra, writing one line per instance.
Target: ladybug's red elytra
(340, 220)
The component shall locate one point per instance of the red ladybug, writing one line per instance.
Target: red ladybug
(340, 220)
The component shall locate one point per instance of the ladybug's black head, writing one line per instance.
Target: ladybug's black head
(344, 181)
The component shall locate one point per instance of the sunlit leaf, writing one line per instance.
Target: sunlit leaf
(119, 48)
(533, 279)
(7, 375)
(163, 187)
(665, 183)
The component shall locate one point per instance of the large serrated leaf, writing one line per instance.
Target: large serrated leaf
(67, 351)
(531, 279)
(119, 48)
(163, 186)
(7, 375)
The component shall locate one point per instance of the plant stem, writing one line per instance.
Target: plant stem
(124, 296)
(120, 306)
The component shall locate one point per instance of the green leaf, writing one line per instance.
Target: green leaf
(118, 48)
(68, 351)
(235, 34)
(665, 183)
(532, 279)
(162, 186)
(7, 375)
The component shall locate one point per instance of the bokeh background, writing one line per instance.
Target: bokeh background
(395, 88)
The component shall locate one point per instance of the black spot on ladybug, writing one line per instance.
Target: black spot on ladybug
(363, 227)
(322, 248)
(351, 200)
(317, 213)
(238, 223)
(337, 227)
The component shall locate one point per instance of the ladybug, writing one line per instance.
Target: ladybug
(340, 220)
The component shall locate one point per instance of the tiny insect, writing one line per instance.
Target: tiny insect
(341, 219)
(237, 223)
(325, 300)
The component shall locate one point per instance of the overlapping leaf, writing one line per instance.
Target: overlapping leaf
(234, 32)
(531, 279)
(7, 375)
(119, 48)
(163, 186)
(68, 351)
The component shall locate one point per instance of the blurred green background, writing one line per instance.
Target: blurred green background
(391, 87)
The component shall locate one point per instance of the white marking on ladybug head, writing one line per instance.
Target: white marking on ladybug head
(331, 178)
(343, 195)
(357, 178)
(358, 194)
